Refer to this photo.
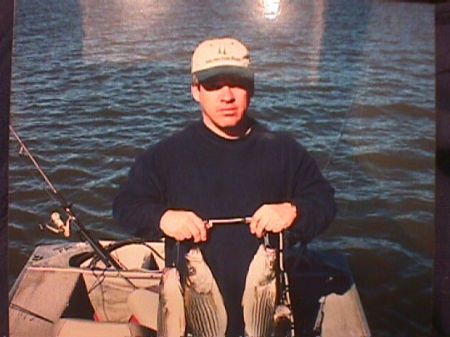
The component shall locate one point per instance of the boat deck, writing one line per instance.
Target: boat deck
(56, 294)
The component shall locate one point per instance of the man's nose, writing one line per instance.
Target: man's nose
(227, 93)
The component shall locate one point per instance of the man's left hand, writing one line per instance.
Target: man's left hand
(273, 218)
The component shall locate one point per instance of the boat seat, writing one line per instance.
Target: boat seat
(71, 327)
(143, 305)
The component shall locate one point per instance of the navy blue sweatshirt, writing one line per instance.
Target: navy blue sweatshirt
(216, 178)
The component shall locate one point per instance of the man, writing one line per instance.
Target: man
(225, 166)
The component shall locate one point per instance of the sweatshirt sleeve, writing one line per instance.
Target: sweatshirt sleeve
(313, 196)
(140, 203)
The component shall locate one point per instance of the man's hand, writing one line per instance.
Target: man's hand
(183, 225)
(273, 218)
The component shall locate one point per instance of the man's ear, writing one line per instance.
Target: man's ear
(195, 91)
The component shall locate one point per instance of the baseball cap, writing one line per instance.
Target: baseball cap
(222, 56)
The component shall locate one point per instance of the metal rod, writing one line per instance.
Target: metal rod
(228, 221)
(106, 258)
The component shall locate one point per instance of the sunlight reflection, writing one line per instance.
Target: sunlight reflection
(271, 8)
(120, 30)
(316, 22)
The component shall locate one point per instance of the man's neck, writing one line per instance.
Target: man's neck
(231, 133)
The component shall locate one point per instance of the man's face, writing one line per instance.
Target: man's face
(224, 102)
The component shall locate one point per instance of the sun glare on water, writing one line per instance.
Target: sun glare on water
(271, 8)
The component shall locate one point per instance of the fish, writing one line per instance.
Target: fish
(206, 315)
(171, 320)
(260, 294)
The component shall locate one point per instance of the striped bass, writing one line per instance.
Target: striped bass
(205, 309)
(170, 318)
(259, 297)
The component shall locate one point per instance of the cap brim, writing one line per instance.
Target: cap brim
(244, 73)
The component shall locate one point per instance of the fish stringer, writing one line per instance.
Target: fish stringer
(284, 316)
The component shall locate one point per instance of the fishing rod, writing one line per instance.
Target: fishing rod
(104, 256)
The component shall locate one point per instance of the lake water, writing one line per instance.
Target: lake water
(95, 82)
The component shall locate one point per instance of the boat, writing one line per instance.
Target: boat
(64, 290)
(111, 289)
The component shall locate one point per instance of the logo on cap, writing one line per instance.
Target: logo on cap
(219, 53)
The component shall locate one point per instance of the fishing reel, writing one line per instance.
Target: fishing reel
(57, 225)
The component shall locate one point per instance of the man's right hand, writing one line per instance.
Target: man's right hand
(183, 225)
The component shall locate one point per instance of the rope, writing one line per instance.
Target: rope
(284, 284)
